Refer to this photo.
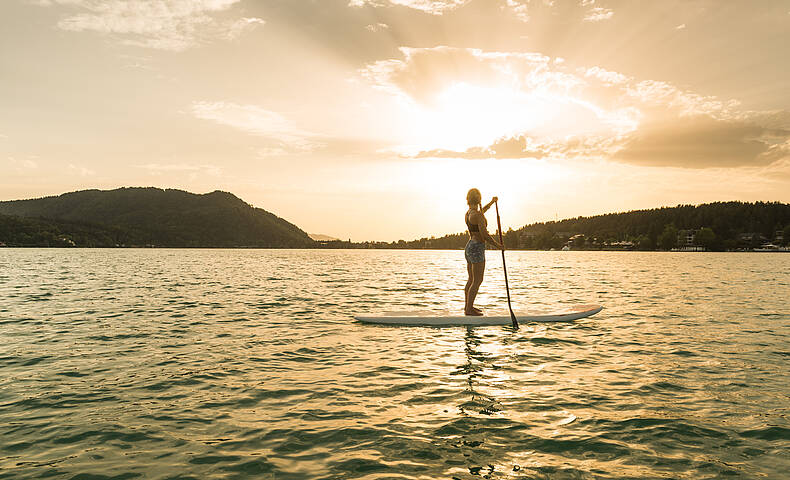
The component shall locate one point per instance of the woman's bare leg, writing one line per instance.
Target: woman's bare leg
(477, 278)
(467, 287)
(469, 282)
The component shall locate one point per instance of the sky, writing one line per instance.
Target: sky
(370, 119)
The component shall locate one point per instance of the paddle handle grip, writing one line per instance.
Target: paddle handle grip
(499, 226)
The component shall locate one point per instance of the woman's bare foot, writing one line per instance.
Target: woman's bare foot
(473, 313)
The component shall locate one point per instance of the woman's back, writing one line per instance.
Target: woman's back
(476, 224)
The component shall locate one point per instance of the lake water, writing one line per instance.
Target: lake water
(247, 363)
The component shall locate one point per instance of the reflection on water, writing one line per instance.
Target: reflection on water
(234, 363)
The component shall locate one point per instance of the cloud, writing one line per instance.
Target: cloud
(525, 146)
(550, 89)
(377, 27)
(702, 141)
(158, 168)
(521, 146)
(652, 93)
(272, 152)
(242, 26)
(607, 77)
(21, 165)
(542, 11)
(81, 170)
(519, 9)
(258, 121)
(771, 119)
(173, 25)
(434, 7)
(695, 142)
(580, 112)
(598, 14)
(778, 171)
(425, 72)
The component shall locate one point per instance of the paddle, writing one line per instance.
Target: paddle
(507, 288)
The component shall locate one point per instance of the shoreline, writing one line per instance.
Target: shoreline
(155, 247)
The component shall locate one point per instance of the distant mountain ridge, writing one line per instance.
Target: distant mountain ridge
(153, 216)
(319, 237)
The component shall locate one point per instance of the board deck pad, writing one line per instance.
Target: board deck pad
(438, 318)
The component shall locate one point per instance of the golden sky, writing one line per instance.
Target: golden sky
(370, 119)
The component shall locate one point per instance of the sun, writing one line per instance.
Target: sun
(443, 183)
(465, 115)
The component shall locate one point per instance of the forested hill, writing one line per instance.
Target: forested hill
(145, 216)
(732, 224)
(714, 226)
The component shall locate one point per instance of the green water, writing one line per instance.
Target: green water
(248, 364)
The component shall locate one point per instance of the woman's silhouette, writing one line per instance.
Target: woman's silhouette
(475, 250)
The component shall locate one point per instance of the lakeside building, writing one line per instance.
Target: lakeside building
(751, 238)
(687, 238)
(692, 248)
(66, 241)
(623, 245)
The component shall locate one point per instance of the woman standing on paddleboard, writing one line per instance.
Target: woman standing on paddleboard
(475, 250)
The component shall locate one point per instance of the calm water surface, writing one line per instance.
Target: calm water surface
(247, 363)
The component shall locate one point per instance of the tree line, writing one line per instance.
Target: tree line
(715, 226)
(173, 218)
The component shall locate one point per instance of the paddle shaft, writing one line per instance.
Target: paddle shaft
(504, 267)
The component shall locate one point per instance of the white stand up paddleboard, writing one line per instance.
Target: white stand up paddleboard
(433, 318)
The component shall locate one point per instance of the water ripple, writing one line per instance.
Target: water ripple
(246, 363)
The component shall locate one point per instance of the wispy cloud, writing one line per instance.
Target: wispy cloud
(598, 14)
(242, 26)
(520, 146)
(576, 10)
(526, 146)
(434, 7)
(652, 93)
(607, 77)
(21, 165)
(81, 170)
(423, 72)
(159, 168)
(520, 9)
(160, 24)
(256, 120)
(377, 27)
